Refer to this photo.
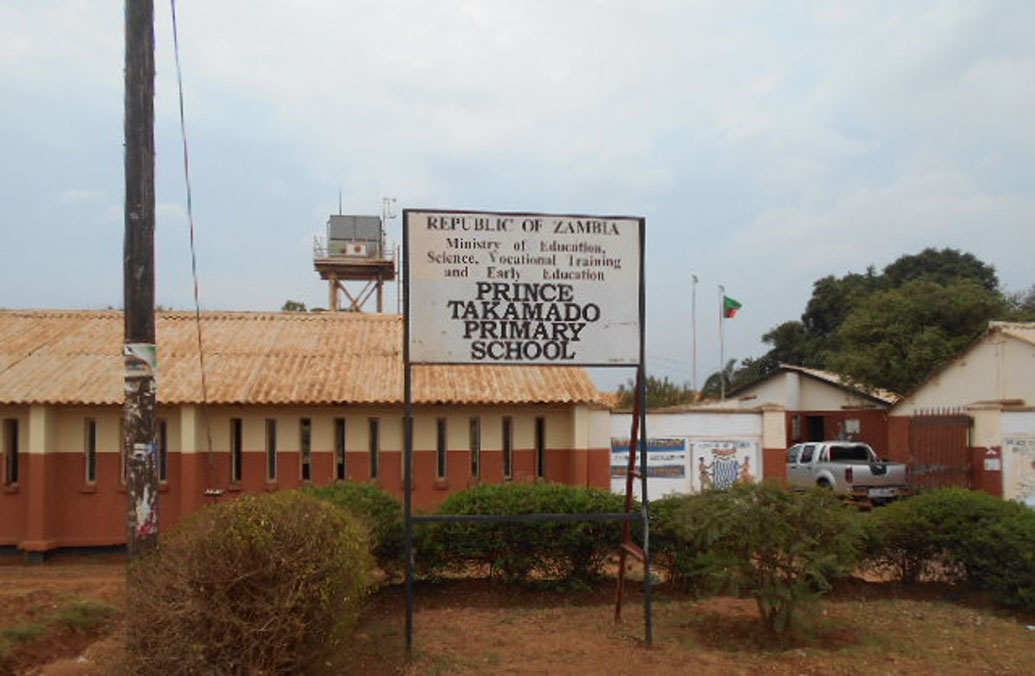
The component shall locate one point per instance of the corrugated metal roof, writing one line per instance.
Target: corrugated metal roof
(1020, 330)
(886, 396)
(74, 357)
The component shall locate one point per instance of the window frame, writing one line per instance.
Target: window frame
(90, 450)
(305, 449)
(236, 450)
(341, 467)
(540, 446)
(474, 444)
(271, 449)
(162, 432)
(441, 448)
(374, 446)
(11, 451)
(507, 446)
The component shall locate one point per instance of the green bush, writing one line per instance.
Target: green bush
(380, 512)
(672, 551)
(569, 552)
(762, 540)
(263, 584)
(958, 534)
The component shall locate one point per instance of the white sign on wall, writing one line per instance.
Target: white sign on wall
(1019, 472)
(505, 288)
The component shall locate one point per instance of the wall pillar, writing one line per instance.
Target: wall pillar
(986, 448)
(191, 482)
(38, 447)
(774, 439)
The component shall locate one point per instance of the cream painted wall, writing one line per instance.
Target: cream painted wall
(63, 428)
(999, 367)
(796, 392)
(71, 428)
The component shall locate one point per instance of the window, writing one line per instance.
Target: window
(375, 450)
(792, 454)
(163, 451)
(441, 446)
(10, 451)
(305, 444)
(339, 449)
(856, 453)
(236, 450)
(806, 452)
(508, 446)
(540, 447)
(271, 449)
(123, 460)
(90, 449)
(475, 444)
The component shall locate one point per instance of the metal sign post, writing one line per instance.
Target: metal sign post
(521, 289)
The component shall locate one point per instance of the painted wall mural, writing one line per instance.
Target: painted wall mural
(720, 463)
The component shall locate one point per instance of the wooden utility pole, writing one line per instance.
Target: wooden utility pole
(139, 350)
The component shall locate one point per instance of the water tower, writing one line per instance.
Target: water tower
(354, 251)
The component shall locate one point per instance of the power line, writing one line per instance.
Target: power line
(193, 249)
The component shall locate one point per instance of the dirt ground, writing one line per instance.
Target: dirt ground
(474, 627)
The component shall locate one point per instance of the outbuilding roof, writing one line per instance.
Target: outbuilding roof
(1024, 331)
(874, 394)
(272, 358)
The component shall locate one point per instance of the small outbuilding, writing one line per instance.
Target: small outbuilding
(821, 405)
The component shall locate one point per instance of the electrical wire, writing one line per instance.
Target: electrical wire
(193, 250)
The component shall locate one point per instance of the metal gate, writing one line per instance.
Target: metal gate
(939, 453)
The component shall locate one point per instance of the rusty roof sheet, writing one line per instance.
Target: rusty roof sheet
(275, 358)
(1024, 331)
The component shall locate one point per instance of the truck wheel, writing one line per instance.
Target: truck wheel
(823, 483)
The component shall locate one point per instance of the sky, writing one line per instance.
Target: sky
(767, 144)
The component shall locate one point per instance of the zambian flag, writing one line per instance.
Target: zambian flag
(730, 307)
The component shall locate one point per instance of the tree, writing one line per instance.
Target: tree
(793, 344)
(846, 325)
(1022, 305)
(942, 266)
(660, 392)
(293, 306)
(713, 384)
(895, 338)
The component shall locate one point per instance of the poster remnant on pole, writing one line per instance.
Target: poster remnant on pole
(508, 288)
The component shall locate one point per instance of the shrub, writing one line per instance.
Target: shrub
(380, 512)
(958, 534)
(671, 550)
(777, 546)
(569, 551)
(263, 584)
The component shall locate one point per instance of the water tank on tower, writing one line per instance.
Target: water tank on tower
(354, 251)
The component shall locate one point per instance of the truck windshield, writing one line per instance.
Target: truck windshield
(852, 453)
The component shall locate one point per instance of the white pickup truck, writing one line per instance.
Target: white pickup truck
(846, 467)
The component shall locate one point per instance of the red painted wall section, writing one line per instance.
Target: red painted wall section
(774, 464)
(986, 469)
(73, 513)
(873, 426)
(898, 438)
(14, 504)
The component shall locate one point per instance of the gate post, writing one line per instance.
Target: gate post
(986, 440)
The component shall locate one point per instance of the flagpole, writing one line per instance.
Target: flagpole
(722, 346)
(693, 329)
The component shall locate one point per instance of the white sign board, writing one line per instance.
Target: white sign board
(1019, 473)
(504, 288)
